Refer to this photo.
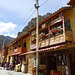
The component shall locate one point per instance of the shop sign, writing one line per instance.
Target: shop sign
(33, 46)
(56, 20)
(15, 50)
(43, 26)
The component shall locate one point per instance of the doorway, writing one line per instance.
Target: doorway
(50, 63)
(72, 63)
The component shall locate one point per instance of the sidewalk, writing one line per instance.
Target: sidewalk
(9, 72)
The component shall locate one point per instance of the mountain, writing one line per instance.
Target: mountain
(7, 39)
(32, 23)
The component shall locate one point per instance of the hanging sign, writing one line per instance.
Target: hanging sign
(43, 26)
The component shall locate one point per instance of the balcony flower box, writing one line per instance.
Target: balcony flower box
(56, 30)
(42, 35)
(33, 39)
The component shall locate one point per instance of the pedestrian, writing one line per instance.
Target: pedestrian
(4, 65)
(7, 65)
(13, 65)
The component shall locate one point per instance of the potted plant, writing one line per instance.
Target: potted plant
(33, 39)
(42, 35)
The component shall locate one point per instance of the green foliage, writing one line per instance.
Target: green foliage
(2, 38)
(33, 38)
(41, 34)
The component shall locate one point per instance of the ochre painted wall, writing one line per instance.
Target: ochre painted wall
(28, 43)
(70, 14)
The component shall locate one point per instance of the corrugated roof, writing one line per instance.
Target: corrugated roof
(46, 49)
(71, 2)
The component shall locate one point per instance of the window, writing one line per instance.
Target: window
(61, 60)
(34, 61)
(19, 46)
(43, 60)
(24, 44)
(67, 24)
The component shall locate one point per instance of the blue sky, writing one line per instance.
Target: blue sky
(13, 13)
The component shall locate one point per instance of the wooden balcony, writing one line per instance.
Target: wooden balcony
(19, 50)
(57, 39)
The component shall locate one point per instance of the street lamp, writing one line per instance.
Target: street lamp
(37, 38)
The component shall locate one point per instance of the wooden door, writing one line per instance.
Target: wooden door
(49, 64)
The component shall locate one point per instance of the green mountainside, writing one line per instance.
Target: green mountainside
(7, 39)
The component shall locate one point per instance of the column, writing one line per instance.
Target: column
(63, 23)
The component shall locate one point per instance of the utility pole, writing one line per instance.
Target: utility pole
(37, 38)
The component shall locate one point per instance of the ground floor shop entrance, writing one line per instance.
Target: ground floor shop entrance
(62, 61)
(50, 63)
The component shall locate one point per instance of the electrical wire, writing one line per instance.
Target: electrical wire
(29, 16)
(21, 23)
(43, 3)
(25, 21)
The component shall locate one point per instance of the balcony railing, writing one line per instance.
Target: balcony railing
(53, 39)
(19, 50)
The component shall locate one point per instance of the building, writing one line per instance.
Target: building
(56, 43)
(16, 48)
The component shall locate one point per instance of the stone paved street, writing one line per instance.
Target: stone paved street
(9, 72)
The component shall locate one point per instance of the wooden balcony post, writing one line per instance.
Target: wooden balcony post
(30, 40)
(63, 23)
(22, 42)
(49, 32)
(68, 63)
(48, 28)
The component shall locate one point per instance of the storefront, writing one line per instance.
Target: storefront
(57, 61)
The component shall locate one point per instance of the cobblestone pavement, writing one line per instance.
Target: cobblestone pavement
(9, 72)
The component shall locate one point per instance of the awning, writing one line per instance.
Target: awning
(17, 53)
(46, 49)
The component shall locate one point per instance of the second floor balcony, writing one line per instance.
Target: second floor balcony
(55, 37)
(19, 50)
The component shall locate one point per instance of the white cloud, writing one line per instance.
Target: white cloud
(7, 29)
(11, 35)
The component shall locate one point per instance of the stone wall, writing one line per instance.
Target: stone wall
(30, 63)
